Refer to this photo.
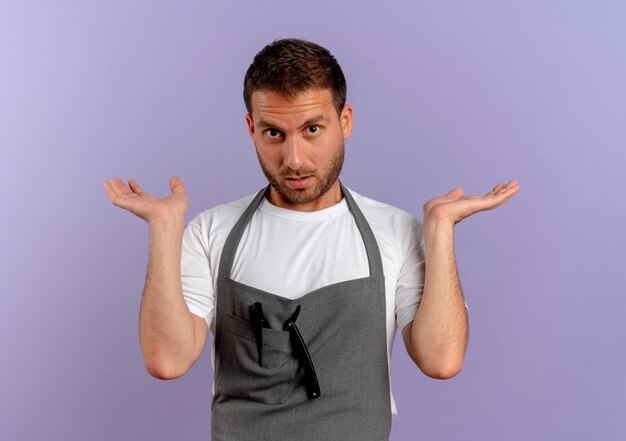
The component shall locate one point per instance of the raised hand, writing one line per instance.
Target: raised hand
(454, 207)
(145, 205)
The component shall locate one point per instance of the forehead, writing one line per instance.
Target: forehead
(268, 104)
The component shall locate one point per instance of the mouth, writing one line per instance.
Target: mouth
(297, 178)
(298, 181)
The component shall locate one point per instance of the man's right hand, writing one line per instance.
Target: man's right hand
(145, 205)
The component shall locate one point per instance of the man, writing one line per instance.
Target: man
(304, 282)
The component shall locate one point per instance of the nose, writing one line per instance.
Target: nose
(292, 153)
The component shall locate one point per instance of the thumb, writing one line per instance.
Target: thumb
(176, 185)
(456, 192)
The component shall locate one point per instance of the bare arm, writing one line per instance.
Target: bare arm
(437, 338)
(171, 337)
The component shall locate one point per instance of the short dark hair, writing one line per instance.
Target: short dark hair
(291, 66)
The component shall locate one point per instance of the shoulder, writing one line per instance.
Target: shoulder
(389, 223)
(382, 213)
(221, 217)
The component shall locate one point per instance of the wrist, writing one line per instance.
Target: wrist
(437, 229)
(437, 224)
(167, 221)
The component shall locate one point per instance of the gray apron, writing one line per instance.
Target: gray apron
(265, 386)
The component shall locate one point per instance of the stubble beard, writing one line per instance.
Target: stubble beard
(303, 196)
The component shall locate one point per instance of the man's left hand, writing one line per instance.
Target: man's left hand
(454, 207)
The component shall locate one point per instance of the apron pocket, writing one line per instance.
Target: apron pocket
(241, 376)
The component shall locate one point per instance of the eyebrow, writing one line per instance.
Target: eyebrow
(317, 118)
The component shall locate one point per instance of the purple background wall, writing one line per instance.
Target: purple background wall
(445, 94)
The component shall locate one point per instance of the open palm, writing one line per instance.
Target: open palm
(455, 207)
(134, 199)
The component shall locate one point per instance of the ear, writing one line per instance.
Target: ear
(250, 125)
(346, 120)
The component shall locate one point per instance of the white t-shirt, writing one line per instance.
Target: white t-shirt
(290, 253)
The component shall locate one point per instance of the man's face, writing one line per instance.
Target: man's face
(299, 142)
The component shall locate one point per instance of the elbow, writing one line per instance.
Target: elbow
(163, 371)
(163, 374)
(443, 370)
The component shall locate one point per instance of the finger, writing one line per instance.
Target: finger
(502, 190)
(510, 191)
(176, 185)
(504, 196)
(456, 192)
(109, 190)
(114, 195)
(512, 187)
(135, 187)
(491, 200)
(508, 187)
(503, 200)
(495, 189)
(112, 188)
(119, 187)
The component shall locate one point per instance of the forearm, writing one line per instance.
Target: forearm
(166, 328)
(440, 331)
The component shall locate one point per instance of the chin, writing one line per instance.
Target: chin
(302, 196)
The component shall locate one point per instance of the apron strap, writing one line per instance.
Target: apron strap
(233, 239)
(371, 246)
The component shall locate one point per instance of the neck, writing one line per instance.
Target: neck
(331, 197)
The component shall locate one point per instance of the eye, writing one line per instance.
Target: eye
(273, 133)
(314, 129)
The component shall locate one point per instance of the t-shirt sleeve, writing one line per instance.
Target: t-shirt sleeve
(410, 284)
(195, 271)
